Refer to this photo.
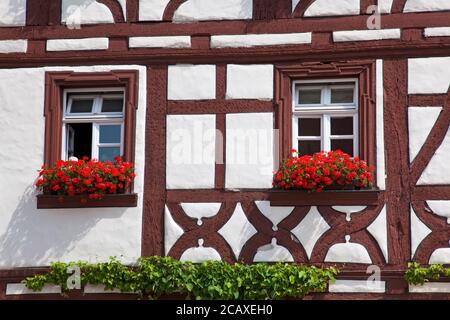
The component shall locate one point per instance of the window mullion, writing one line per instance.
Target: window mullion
(295, 135)
(122, 137)
(95, 140)
(326, 96)
(326, 143)
(97, 105)
(355, 135)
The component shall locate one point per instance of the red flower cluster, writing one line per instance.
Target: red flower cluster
(84, 177)
(322, 171)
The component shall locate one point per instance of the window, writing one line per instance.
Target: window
(326, 106)
(90, 114)
(325, 116)
(93, 124)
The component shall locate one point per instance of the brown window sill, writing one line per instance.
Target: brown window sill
(325, 198)
(64, 202)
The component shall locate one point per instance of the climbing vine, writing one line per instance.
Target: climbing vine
(153, 277)
(418, 275)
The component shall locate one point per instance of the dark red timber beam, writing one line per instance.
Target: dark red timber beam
(115, 8)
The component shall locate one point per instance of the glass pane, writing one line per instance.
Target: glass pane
(309, 127)
(342, 126)
(342, 95)
(108, 153)
(309, 96)
(345, 145)
(112, 105)
(308, 147)
(110, 134)
(81, 106)
(79, 142)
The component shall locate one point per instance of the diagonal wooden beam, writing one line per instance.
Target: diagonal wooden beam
(171, 8)
(116, 9)
(301, 8)
(398, 6)
(366, 4)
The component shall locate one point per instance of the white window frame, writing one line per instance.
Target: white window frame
(325, 111)
(96, 117)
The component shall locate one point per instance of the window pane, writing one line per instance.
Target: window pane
(345, 145)
(79, 142)
(342, 95)
(112, 105)
(81, 106)
(342, 126)
(309, 127)
(110, 134)
(308, 147)
(108, 153)
(309, 96)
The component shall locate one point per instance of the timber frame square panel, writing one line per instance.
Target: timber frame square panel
(57, 82)
(363, 71)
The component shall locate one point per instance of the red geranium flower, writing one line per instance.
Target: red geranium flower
(86, 177)
(322, 170)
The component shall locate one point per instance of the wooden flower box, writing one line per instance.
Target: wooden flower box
(63, 202)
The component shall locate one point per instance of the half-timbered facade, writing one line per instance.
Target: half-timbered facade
(215, 93)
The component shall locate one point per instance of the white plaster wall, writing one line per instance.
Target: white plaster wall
(357, 286)
(238, 230)
(191, 82)
(252, 81)
(426, 5)
(428, 75)
(366, 35)
(294, 4)
(13, 46)
(419, 231)
(123, 4)
(152, 10)
(437, 169)
(437, 32)
(349, 210)
(77, 12)
(254, 40)
(274, 214)
(190, 151)
(333, 8)
(441, 256)
(172, 230)
(160, 42)
(310, 229)
(381, 159)
(348, 252)
(420, 123)
(201, 10)
(249, 150)
(20, 288)
(200, 254)
(378, 229)
(273, 252)
(78, 44)
(31, 237)
(431, 287)
(201, 210)
(441, 208)
(12, 13)
(385, 6)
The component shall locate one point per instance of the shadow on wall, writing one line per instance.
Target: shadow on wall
(38, 237)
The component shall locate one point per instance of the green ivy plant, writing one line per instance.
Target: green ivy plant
(153, 277)
(418, 275)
